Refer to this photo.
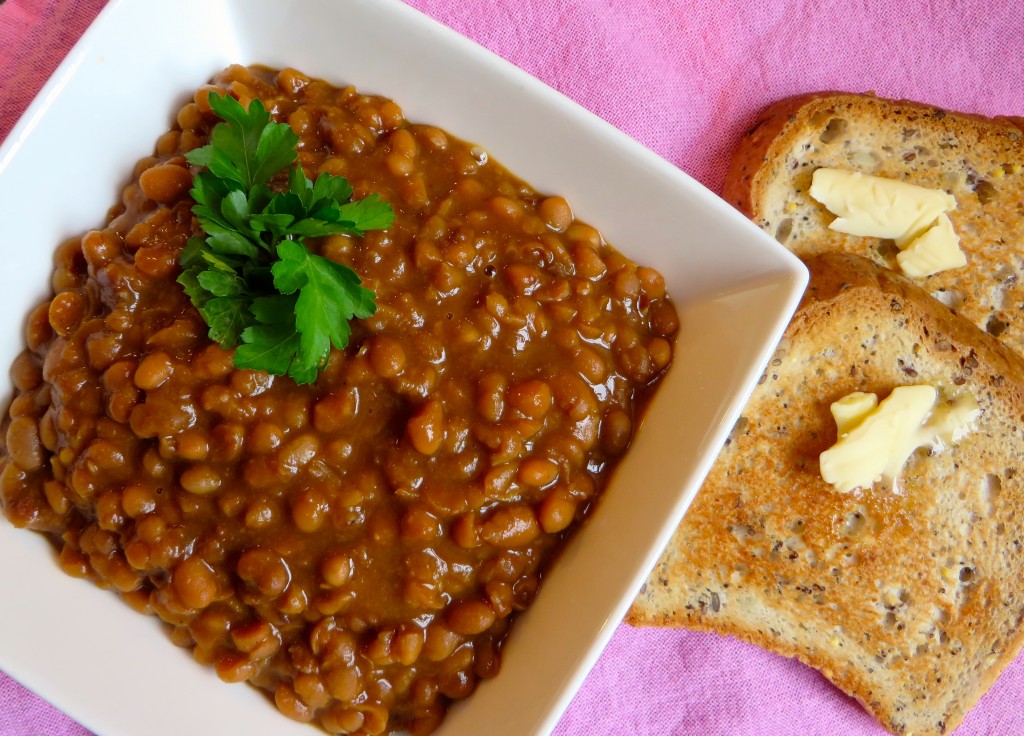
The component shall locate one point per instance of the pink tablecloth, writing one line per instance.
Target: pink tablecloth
(684, 78)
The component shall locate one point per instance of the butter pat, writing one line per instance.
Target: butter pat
(937, 250)
(914, 217)
(850, 410)
(877, 443)
(872, 206)
(875, 439)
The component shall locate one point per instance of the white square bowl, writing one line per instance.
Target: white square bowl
(63, 165)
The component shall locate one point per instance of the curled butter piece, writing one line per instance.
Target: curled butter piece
(872, 206)
(937, 250)
(875, 439)
(850, 410)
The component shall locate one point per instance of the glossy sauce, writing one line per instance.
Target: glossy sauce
(358, 547)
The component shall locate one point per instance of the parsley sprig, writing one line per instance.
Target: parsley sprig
(252, 279)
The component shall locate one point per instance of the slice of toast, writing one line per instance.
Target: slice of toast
(910, 599)
(980, 161)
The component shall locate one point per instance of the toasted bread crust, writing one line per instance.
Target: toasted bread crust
(909, 600)
(979, 160)
(756, 157)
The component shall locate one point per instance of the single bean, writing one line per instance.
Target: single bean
(153, 371)
(387, 356)
(556, 512)
(556, 213)
(201, 480)
(166, 182)
(532, 398)
(336, 569)
(66, 311)
(195, 583)
(470, 617)
(23, 443)
(510, 527)
(425, 428)
(537, 472)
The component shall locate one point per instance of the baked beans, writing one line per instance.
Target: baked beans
(358, 547)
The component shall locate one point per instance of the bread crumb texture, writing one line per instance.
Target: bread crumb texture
(910, 598)
(980, 161)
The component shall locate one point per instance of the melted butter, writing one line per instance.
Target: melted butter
(876, 439)
(873, 206)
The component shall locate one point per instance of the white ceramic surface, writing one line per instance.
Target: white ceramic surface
(62, 167)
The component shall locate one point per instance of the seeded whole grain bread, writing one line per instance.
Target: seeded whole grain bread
(911, 599)
(980, 161)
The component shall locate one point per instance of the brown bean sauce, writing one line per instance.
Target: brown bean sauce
(358, 547)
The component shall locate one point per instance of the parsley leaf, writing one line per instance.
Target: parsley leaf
(327, 293)
(248, 149)
(227, 318)
(270, 348)
(251, 276)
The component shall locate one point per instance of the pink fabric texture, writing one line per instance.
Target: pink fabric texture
(685, 78)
